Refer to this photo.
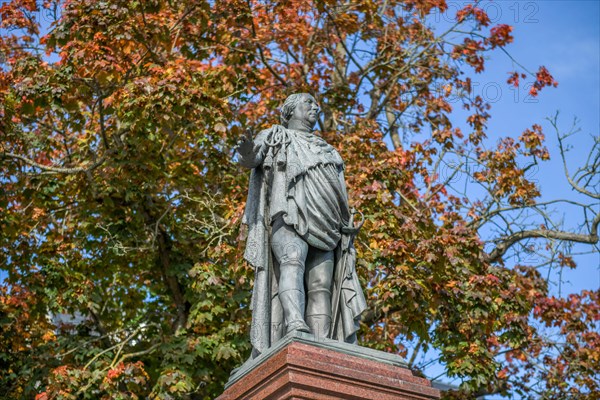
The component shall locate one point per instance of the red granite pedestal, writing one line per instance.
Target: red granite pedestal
(301, 369)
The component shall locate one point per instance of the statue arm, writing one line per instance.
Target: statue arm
(252, 151)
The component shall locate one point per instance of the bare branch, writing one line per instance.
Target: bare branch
(139, 353)
(52, 168)
(262, 54)
(118, 345)
(508, 241)
(573, 184)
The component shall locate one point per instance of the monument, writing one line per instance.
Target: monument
(307, 300)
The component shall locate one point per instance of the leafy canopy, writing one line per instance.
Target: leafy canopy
(121, 201)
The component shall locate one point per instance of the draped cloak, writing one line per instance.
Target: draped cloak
(299, 177)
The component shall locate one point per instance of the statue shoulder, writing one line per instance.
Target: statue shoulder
(262, 135)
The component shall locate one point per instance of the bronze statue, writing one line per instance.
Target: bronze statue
(300, 232)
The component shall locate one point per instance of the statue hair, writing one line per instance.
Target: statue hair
(288, 107)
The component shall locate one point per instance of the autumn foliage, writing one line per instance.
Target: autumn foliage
(121, 200)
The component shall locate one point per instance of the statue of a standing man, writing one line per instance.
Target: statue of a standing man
(300, 232)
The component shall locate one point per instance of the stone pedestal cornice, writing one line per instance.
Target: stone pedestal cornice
(298, 367)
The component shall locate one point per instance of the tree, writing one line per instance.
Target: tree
(122, 203)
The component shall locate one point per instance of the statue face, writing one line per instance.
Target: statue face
(306, 111)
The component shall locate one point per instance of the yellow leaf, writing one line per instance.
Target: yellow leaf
(219, 127)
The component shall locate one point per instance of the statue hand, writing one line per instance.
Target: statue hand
(245, 145)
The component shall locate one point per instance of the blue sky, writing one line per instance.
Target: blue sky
(564, 36)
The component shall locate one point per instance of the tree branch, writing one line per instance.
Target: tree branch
(139, 353)
(262, 54)
(508, 241)
(560, 137)
(52, 168)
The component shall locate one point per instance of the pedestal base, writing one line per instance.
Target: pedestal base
(298, 367)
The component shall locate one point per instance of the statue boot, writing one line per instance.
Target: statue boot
(318, 312)
(291, 295)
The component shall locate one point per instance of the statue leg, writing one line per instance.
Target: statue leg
(319, 275)
(290, 251)
(277, 318)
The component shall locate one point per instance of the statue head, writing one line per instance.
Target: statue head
(301, 109)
